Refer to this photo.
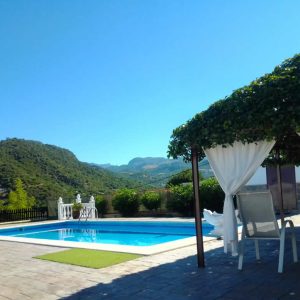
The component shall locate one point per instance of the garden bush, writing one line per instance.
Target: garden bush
(211, 195)
(101, 205)
(151, 200)
(181, 199)
(126, 201)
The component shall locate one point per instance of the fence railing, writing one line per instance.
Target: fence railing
(32, 214)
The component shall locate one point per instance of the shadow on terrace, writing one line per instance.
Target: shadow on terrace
(219, 280)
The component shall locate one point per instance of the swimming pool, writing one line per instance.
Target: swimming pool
(128, 234)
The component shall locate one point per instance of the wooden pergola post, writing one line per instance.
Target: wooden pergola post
(279, 183)
(198, 222)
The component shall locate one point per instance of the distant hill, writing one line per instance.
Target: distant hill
(49, 171)
(155, 171)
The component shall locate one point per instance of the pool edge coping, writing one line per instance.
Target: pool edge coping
(142, 250)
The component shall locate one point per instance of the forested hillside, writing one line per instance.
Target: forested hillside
(49, 172)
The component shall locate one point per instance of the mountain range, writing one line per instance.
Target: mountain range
(49, 172)
(155, 171)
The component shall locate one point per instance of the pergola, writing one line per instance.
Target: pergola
(257, 124)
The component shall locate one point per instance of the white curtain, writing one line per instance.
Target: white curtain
(233, 166)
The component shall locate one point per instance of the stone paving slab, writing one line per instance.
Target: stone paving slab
(169, 275)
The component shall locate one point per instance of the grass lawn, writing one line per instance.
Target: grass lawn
(95, 259)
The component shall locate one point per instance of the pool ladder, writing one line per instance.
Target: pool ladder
(86, 212)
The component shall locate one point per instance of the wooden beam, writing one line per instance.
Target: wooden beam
(198, 222)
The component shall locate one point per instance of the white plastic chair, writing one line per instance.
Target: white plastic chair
(259, 223)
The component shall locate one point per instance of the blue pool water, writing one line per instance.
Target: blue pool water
(109, 232)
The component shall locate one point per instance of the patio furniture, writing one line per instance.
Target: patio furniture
(259, 223)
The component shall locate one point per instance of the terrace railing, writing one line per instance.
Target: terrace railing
(65, 211)
(32, 214)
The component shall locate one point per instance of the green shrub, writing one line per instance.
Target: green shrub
(126, 201)
(211, 195)
(151, 200)
(101, 205)
(181, 199)
(77, 206)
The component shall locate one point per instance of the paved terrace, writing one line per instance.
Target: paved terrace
(169, 275)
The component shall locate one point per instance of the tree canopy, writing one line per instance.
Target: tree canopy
(268, 108)
(19, 199)
(181, 177)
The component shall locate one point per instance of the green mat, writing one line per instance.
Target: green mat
(95, 259)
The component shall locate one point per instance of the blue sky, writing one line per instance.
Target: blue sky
(110, 80)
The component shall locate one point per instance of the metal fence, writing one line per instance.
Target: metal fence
(32, 214)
